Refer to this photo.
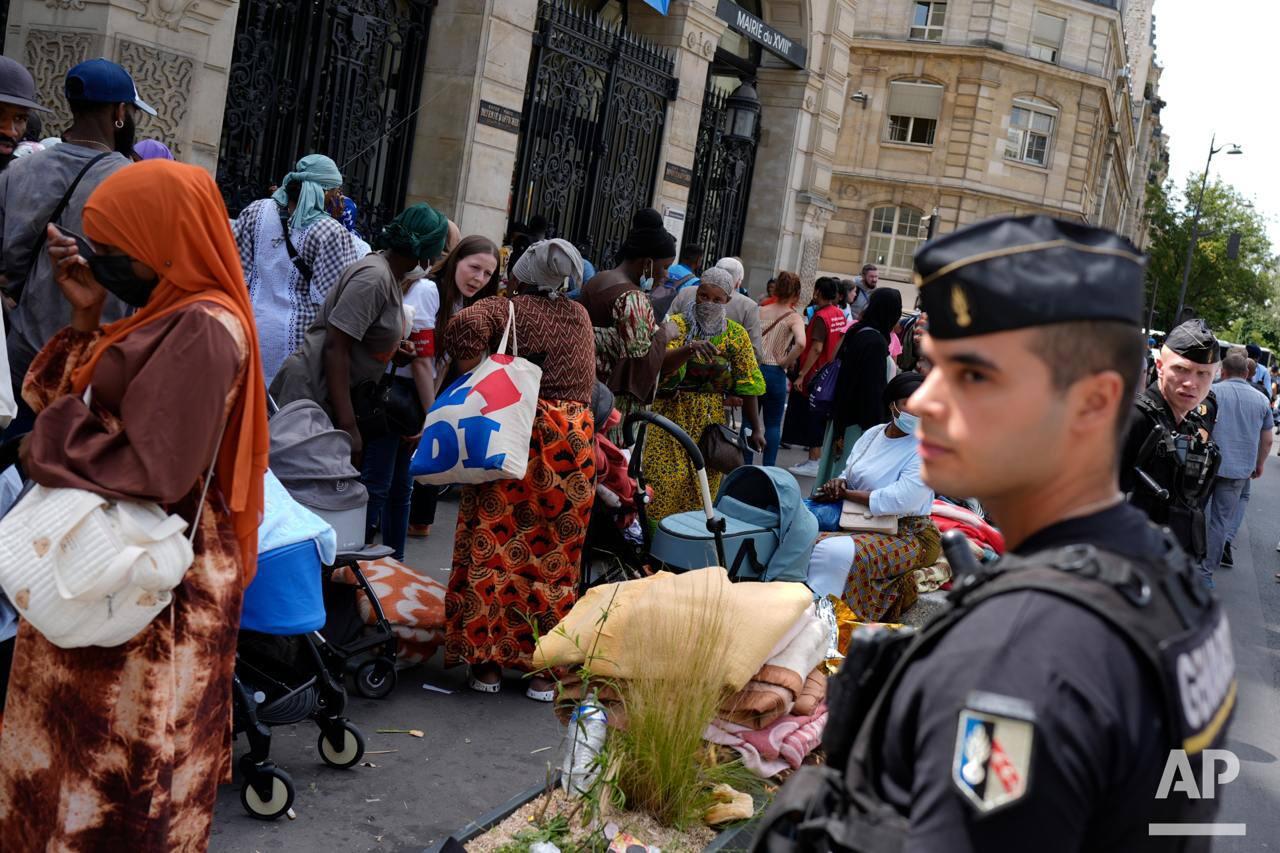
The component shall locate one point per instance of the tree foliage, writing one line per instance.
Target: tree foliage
(1239, 293)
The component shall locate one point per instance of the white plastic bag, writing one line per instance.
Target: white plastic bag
(479, 428)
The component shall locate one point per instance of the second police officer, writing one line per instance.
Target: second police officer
(1168, 461)
(1042, 710)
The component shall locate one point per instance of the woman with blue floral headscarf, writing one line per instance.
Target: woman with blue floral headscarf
(287, 287)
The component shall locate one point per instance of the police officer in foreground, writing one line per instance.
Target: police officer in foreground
(1168, 461)
(1039, 712)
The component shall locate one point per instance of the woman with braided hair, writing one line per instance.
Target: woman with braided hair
(359, 331)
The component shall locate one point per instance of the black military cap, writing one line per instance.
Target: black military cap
(1195, 341)
(1018, 272)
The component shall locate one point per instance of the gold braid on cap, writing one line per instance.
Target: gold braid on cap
(1022, 250)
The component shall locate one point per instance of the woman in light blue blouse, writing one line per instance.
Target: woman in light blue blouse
(872, 572)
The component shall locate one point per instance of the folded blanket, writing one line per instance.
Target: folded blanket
(813, 694)
(412, 603)
(948, 516)
(610, 621)
(286, 522)
(777, 685)
(781, 745)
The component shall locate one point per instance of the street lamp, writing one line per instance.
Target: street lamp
(1195, 225)
(742, 112)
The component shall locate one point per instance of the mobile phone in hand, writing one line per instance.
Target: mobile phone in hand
(83, 246)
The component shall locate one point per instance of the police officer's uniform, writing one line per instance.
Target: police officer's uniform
(1038, 712)
(1166, 467)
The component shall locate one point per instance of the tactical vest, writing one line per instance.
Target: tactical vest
(1170, 621)
(1184, 464)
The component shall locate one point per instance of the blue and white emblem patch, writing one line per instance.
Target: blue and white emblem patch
(992, 763)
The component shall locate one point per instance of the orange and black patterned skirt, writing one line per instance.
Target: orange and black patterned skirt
(518, 546)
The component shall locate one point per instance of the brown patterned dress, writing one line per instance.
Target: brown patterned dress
(107, 749)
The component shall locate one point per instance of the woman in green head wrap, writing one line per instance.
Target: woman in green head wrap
(359, 332)
(418, 232)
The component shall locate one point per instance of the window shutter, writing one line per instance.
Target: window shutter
(921, 100)
(1048, 30)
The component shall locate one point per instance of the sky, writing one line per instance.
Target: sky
(1220, 61)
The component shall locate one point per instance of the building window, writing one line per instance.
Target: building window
(896, 233)
(1046, 37)
(913, 110)
(927, 21)
(1030, 131)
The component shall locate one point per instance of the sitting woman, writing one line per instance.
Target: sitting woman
(709, 358)
(872, 572)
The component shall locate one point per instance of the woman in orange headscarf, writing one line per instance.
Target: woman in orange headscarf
(123, 748)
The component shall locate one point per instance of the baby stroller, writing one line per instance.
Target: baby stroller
(758, 528)
(312, 460)
(282, 677)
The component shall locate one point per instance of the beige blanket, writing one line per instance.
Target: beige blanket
(757, 616)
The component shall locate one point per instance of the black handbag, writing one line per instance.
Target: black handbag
(722, 448)
(386, 407)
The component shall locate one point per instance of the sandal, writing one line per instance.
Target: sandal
(484, 686)
(541, 695)
(548, 695)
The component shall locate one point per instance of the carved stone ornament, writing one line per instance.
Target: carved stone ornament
(809, 256)
(164, 81)
(73, 5)
(49, 53)
(164, 13)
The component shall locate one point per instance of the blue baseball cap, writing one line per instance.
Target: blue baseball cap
(100, 81)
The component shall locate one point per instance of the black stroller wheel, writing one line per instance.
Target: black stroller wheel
(349, 748)
(279, 799)
(375, 679)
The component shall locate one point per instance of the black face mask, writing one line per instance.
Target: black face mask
(115, 273)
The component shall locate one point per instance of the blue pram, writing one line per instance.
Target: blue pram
(758, 528)
(283, 673)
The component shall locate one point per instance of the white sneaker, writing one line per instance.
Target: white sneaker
(805, 469)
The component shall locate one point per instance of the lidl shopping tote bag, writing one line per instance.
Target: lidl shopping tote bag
(479, 428)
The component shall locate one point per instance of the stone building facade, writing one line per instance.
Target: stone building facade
(977, 108)
(177, 50)
(871, 114)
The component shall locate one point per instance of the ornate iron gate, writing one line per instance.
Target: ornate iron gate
(594, 113)
(722, 168)
(334, 77)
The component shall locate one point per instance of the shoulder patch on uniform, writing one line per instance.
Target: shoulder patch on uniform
(994, 741)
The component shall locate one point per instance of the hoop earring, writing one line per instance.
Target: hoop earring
(119, 124)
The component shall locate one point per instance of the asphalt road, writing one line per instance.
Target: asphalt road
(1251, 595)
(479, 751)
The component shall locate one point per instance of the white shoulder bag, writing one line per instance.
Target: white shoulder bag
(88, 571)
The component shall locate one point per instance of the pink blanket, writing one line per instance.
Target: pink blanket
(781, 745)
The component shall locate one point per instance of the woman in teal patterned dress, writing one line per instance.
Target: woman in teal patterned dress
(709, 359)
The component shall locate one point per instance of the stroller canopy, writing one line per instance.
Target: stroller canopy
(770, 488)
(313, 459)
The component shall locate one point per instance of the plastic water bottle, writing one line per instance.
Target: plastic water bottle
(583, 741)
